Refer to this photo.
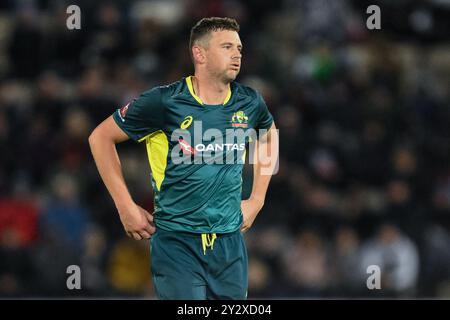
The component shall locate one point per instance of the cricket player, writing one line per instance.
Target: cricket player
(195, 132)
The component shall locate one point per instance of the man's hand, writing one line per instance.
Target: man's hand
(250, 209)
(137, 222)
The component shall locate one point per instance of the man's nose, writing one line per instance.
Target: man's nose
(237, 55)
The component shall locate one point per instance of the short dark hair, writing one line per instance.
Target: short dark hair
(206, 25)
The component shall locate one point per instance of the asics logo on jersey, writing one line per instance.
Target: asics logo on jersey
(186, 122)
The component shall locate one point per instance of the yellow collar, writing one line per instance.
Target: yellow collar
(197, 98)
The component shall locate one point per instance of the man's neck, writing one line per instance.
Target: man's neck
(210, 91)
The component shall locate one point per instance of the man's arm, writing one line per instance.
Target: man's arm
(137, 222)
(263, 168)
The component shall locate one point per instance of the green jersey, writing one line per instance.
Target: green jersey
(194, 153)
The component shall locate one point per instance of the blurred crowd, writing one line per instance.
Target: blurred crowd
(363, 116)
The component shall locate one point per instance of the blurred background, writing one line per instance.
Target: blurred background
(364, 120)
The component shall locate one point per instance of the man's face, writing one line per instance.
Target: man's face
(223, 55)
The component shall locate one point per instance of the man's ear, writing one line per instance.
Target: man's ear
(198, 53)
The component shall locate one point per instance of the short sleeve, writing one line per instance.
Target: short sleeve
(142, 116)
(265, 118)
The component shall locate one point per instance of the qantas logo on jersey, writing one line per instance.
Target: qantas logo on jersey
(220, 147)
(211, 145)
(188, 149)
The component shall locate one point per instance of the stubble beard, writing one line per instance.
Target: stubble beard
(225, 76)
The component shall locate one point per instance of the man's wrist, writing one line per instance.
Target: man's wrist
(122, 205)
(258, 199)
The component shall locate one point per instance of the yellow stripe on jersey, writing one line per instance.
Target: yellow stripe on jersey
(145, 138)
(191, 90)
(157, 150)
(228, 96)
